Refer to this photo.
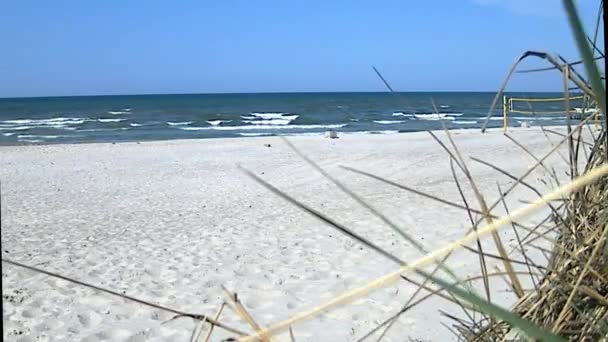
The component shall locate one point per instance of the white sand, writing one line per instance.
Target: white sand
(172, 221)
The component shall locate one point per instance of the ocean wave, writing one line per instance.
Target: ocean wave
(464, 122)
(179, 123)
(31, 140)
(8, 134)
(218, 122)
(104, 129)
(260, 127)
(452, 114)
(496, 118)
(31, 136)
(120, 112)
(110, 120)
(46, 122)
(278, 127)
(149, 123)
(24, 121)
(271, 115)
(433, 116)
(353, 119)
(271, 119)
(276, 122)
(191, 128)
(444, 106)
(532, 118)
(247, 117)
(290, 117)
(15, 128)
(403, 114)
(388, 122)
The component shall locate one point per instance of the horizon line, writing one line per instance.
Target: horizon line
(270, 92)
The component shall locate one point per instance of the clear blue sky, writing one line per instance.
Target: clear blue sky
(137, 47)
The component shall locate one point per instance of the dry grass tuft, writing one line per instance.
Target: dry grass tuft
(571, 300)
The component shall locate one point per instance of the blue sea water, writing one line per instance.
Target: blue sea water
(190, 116)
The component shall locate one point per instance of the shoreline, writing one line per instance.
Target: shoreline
(296, 135)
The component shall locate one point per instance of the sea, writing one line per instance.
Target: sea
(122, 118)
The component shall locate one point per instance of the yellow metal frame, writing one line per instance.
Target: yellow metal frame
(507, 107)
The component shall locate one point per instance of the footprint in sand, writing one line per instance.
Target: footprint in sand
(89, 319)
(113, 334)
(30, 313)
(252, 303)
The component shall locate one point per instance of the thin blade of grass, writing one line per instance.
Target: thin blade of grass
(216, 317)
(178, 313)
(238, 307)
(380, 282)
(590, 66)
(515, 283)
(521, 246)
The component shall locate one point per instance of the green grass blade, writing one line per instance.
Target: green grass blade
(585, 51)
(526, 327)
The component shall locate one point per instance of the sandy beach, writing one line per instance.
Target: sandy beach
(172, 221)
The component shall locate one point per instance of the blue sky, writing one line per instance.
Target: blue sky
(138, 47)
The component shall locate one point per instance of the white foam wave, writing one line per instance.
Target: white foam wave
(260, 127)
(268, 116)
(272, 119)
(119, 112)
(433, 116)
(278, 122)
(496, 118)
(388, 122)
(452, 114)
(444, 106)
(30, 136)
(543, 118)
(104, 129)
(46, 122)
(194, 128)
(8, 134)
(464, 122)
(24, 121)
(31, 140)
(353, 119)
(218, 122)
(247, 117)
(110, 120)
(179, 123)
(15, 128)
(149, 123)
(279, 127)
(403, 114)
(290, 117)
